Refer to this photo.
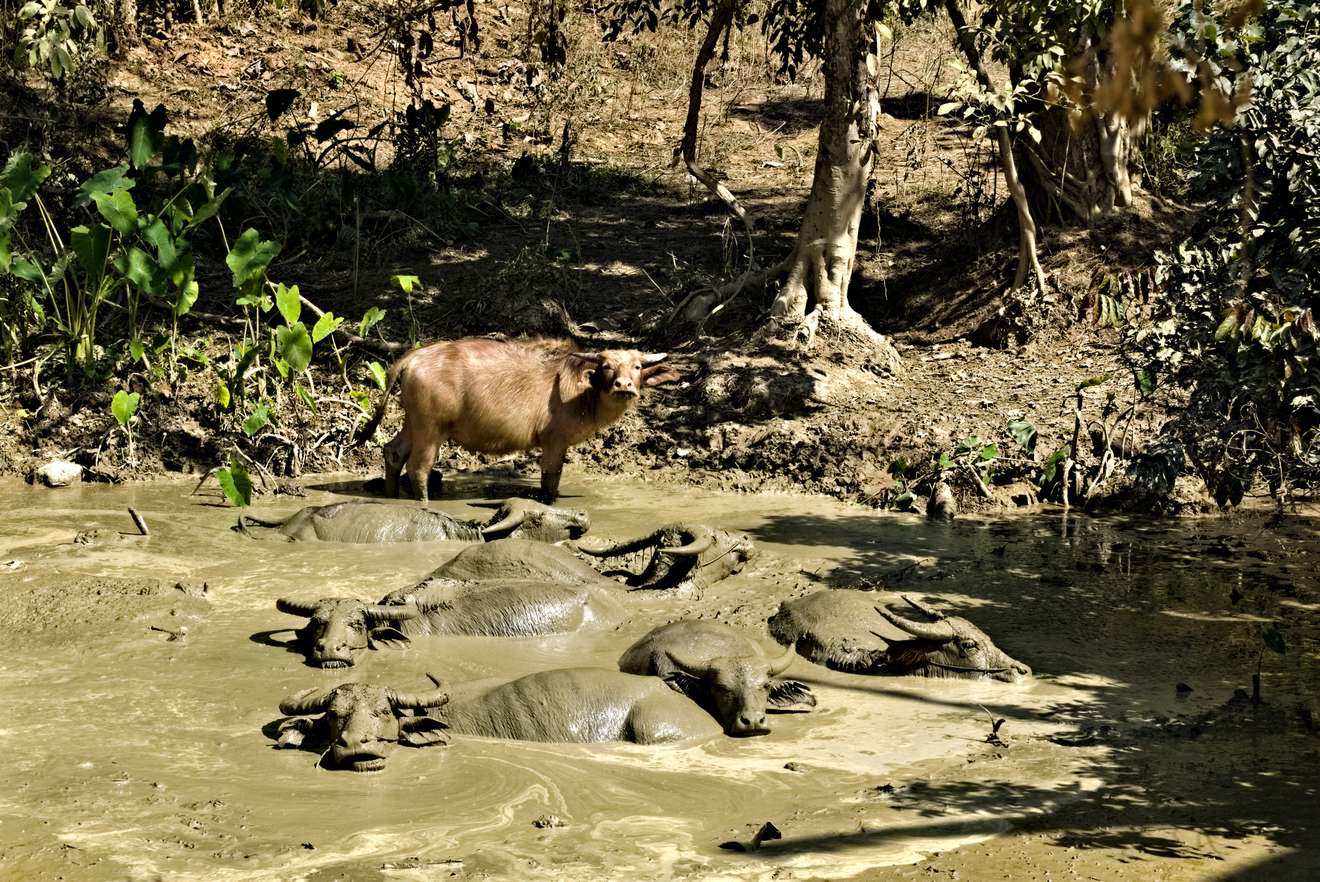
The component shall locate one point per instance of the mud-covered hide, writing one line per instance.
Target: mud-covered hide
(722, 669)
(519, 608)
(369, 522)
(518, 560)
(360, 724)
(679, 555)
(582, 705)
(527, 519)
(859, 632)
(338, 628)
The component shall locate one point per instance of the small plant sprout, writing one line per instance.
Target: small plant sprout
(123, 406)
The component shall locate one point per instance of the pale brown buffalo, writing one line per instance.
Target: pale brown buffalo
(502, 396)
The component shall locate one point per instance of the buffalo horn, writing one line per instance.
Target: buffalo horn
(309, 701)
(779, 665)
(593, 357)
(653, 358)
(419, 700)
(939, 632)
(508, 522)
(700, 671)
(296, 607)
(383, 612)
(692, 549)
(923, 609)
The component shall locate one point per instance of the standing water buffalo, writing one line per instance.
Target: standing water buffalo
(691, 556)
(502, 396)
(581, 705)
(361, 723)
(380, 522)
(836, 629)
(721, 669)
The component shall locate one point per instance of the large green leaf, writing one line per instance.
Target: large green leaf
(159, 236)
(187, 297)
(92, 245)
(295, 345)
(235, 484)
(140, 270)
(21, 179)
(250, 256)
(377, 372)
(106, 182)
(405, 283)
(288, 303)
(118, 209)
(124, 405)
(325, 326)
(257, 420)
(1024, 433)
(146, 133)
(370, 319)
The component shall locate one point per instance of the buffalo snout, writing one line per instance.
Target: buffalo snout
(749, 723)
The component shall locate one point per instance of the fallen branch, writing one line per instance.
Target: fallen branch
(381, 346)
(705, 302)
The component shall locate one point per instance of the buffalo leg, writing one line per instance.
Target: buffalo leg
(552, 467)
(420, 460)
(396, 457)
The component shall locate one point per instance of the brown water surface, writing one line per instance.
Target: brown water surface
(132, 755)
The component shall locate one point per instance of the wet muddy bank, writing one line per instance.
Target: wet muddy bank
(140, 752)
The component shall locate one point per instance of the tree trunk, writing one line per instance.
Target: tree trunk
(815, 291)
(1028, 258)
(1079, 170)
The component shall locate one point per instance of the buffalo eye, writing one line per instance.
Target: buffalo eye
(967, 645)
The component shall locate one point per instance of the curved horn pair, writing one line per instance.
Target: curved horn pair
(594, 357)
(938, 632)
(510, 522)
(691, 549)
(296, 607)
(653, 358)
(419, 700)
(309, 701)
(383, 612)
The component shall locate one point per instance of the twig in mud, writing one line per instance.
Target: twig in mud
(139, 521)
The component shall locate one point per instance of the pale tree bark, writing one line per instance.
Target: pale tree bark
(1028, 256)
(814, 296)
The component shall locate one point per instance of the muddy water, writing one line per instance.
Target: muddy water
(132, 755)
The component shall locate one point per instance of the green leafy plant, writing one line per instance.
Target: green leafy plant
(235, 483)
(123, 406)
(57, 37)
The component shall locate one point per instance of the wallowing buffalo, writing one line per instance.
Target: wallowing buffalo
(839, 629)
(339, 628)
(361, 723)
(689, 556)
(502, 396)
(582, 705)
(518, 560)
(721, 669)
(379, 522)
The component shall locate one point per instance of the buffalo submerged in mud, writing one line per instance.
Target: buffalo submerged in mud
(371, 522)
(676, 556)
(720, 668)
(838, 629)
(504, 396)
(361, 724)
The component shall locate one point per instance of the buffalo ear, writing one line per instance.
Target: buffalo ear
(660, 373)
(422, 732)
(787, 696)
(387, 638)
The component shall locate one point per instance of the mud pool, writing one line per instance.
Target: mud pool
(137, 675)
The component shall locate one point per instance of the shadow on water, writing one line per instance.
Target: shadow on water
(1083, 600)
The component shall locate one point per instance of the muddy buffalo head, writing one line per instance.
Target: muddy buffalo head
(621, 373)
(946, 646)
(361, 723)
(676, 555)
(527, 519)
(734, 688)
(338, 627)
